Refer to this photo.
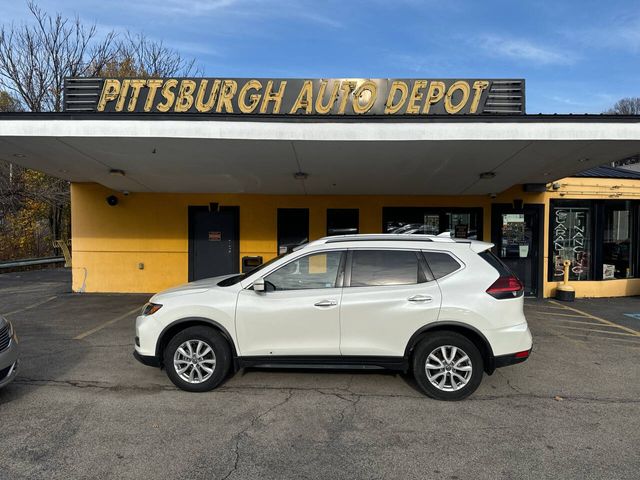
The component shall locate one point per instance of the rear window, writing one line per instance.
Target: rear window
(496, 263)
(441, 264)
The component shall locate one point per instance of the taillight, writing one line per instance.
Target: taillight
(506, 287)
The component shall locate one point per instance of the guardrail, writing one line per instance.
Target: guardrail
(27, 262)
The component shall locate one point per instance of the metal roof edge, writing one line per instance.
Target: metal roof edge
(503, 118)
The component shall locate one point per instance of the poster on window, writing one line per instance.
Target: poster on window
(571, 241)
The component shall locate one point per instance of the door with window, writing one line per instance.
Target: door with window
(388, 295)
(299, 313)
(517, 238)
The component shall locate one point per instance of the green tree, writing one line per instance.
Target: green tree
(9, 103)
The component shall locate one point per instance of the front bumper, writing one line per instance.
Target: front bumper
(148, 360)
(9, 362)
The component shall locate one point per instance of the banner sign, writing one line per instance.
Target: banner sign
(295, 97)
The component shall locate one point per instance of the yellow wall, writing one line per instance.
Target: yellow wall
(108, 243)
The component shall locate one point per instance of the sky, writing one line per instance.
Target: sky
(577, 56)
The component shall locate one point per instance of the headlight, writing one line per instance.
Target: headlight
(150, 308)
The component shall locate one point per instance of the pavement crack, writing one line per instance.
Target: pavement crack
(339, 393)
(96, 385)
(509, 384)
(336, 392)
(242, 433)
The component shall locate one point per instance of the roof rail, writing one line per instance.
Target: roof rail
(389, 237)
(394, 237)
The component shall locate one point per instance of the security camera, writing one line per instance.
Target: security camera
(112, 200)
(125, 193)
(493, 195)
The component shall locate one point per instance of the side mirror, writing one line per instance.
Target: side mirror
(259, 286)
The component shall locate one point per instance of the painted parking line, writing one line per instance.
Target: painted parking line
(29, 307)
(574, 315)
(105, 324)
(599, 319)
(585, 323)
(608, 332)
(624, 341)
(536, 307)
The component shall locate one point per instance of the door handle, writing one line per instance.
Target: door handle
(326, 303)
(420, 298)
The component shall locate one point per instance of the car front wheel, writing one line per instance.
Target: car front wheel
(197, 359)
(447, 366)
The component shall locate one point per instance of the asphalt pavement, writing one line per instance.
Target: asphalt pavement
(82, 407)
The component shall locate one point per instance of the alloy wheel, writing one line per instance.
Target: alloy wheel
(448, 368)
(194, 361)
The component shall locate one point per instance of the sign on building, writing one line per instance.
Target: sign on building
(295, 97)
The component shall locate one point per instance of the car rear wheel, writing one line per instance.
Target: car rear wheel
(197, 359)
(447, 366)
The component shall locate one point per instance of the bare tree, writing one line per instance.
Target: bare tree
(9, 172)
(626, 106)
(35, 58)
(152, 58)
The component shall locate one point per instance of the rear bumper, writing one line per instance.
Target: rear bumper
(148, 360)
(511, 359)
(507, 340)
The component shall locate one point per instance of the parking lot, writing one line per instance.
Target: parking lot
(82, 407)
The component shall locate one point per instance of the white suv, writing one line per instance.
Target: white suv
(447, 310)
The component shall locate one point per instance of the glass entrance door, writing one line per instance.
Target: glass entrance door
(516, 235)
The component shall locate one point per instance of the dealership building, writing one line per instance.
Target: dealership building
(177, 179)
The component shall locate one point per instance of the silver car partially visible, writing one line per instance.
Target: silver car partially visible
(8, 352)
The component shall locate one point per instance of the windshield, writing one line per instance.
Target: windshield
(238, 278)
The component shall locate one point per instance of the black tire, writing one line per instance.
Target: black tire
(433, 342)
(218, 345)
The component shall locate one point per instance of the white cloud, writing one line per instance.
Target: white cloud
(225, 9)
(620, 32)
(524, 50)
(191, 8)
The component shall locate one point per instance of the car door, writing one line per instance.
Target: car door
(299, 313)
(389, 294)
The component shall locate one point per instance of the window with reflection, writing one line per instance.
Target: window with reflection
(461, 222)
(318, 270)
(385, 267)
(616, 245)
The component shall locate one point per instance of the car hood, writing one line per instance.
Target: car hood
(198, 286)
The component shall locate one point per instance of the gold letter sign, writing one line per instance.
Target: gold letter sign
(298, 97)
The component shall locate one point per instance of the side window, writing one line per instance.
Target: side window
(319, 270)
(385, 267)
(441, 264)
